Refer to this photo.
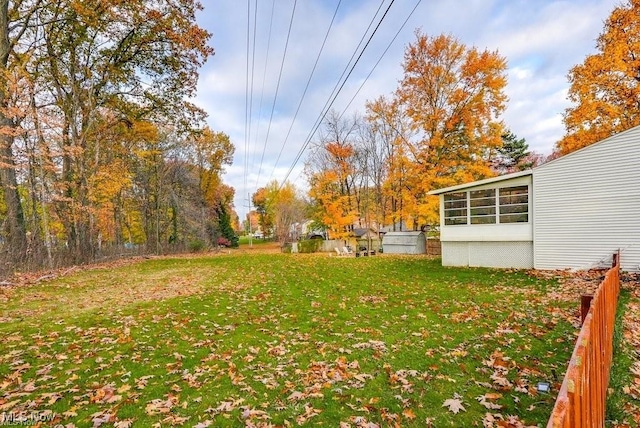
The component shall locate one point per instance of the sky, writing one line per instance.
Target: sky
(269, 69)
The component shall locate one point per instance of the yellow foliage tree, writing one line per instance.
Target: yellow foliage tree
(336, 211)
(453, 97)
(606, 86)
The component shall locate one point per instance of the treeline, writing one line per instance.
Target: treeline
(100, 150)
(441, 127)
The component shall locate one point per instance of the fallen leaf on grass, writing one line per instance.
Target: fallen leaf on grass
(409, 414)
(125, 423)
(454, 404)
(482, 399)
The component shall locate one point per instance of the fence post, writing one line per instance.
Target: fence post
(585, 304)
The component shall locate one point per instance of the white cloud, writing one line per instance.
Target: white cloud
(541, 40)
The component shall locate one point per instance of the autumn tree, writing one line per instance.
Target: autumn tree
(131, 60)
(210, 152)
(605, 88)
(279, 208)
(454, 96)
(251, 222)
(333, 176)
(264, 208)
(290, 209)
(100, 148)
(390, 136)
(16, 23)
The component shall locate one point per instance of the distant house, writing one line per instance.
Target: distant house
(573, 212)
(396, 227)
(365, 233)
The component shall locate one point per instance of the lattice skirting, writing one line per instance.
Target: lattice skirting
(517, 254)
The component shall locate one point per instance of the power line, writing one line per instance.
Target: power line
(246, 98)
(253, 65)
(377, 62)
(326, 36)
(380, 59)
(275, 97)
(335, 88)
(332, 100)
(264, 76)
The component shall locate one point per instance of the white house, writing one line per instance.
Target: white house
(573, 212)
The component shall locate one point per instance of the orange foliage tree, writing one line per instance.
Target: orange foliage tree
(333, 174)
(395, 201)
(453, 97)
(335, 206)
(605, 88)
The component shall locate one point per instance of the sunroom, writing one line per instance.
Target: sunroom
(488, 222)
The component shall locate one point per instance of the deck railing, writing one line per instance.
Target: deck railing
(582, 397)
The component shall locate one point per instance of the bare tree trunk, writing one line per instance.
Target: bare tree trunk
(15, 224)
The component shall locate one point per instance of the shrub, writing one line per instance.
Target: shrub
(223, 242)
(196, 246)
(286, 247)
(309, 245)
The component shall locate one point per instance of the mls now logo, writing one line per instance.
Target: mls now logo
(25, 418)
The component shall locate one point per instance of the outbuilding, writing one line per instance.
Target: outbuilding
(404, 243)
(573, 212)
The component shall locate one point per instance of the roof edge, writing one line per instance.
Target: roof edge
(481, 182)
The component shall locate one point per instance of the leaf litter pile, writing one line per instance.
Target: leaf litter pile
(264, 340)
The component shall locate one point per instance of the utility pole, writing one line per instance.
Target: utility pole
(249, 218)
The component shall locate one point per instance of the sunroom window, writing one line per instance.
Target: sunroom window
(482, 206)
(455, 208)
(514, 204)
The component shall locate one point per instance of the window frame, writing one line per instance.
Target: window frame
(489, 206)
(463, 205)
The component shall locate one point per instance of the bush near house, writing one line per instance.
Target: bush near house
(309, 245)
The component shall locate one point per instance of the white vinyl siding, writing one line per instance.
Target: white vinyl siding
(586, 205)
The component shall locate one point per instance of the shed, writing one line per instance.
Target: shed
(571, 213)
(404, 243)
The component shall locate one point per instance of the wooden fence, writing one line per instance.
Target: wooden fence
(583, 394)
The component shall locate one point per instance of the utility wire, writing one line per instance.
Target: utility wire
(353, 55)
(264, 76)
(246, 99)
(253, 66)
(376, 64)
(332, 100)
(275, 97)
(380, 59)
(326, 36)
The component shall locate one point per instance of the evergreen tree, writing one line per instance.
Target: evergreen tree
(225, 227)
(513, 155)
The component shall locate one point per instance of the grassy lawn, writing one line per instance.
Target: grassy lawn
(243, 338)
(623, 404)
